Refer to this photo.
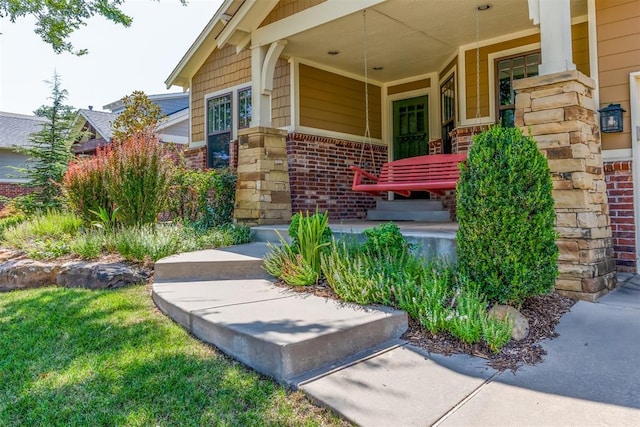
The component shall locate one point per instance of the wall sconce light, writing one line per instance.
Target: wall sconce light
(611, 118)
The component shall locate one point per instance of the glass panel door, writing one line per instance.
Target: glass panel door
(410, 127)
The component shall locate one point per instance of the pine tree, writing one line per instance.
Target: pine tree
(49, 152)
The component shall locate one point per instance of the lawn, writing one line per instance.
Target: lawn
(80, 357)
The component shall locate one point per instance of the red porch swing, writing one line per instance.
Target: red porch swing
(435, 173)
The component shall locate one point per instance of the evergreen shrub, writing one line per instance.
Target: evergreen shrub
(506, 238)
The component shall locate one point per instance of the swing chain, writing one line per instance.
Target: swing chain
(367, 132)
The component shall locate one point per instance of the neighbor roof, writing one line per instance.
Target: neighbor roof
(17, 128)
(169, 103)
(102, 121)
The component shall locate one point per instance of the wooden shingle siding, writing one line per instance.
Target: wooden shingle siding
(281, 95)
(618, 32)
(223, 69)
(580, 45)
(287, 8)
(337, 103)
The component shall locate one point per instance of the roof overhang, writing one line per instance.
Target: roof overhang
(232, 24)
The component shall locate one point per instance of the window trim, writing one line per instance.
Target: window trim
(235, 111)
(496, 86)
(519, 50)
(234, 106)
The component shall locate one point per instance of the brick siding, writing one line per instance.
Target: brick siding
(619, 179)
(12, 189)
(319, 175)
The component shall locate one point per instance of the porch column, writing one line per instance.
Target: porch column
(554, 17)
(263, 194)
(260, 101)
(559, 112)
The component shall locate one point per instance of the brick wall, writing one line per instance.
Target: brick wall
(12, 189)
(319, 175)
(619, 179)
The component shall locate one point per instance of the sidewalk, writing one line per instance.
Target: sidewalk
(590, 376)
(350, 359)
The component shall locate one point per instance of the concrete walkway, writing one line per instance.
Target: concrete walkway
(590, 376)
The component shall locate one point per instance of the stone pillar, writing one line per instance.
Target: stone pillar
(558, 110)
(263, 195)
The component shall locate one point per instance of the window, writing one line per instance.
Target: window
(448, 111)
(244, 108)
(508, 70)
(218, 131)
(226, 113)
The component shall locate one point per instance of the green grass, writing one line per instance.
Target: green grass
(77, 357)
(52, 235)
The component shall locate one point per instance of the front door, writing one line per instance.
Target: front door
(410, 127)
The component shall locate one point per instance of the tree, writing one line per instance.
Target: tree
(57, 20)
(49, 151)
(140, 117)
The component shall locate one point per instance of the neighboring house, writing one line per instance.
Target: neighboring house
(15, 131)
(277, 87)
(97, 126)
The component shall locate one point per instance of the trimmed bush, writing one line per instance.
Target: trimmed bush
(506, 239)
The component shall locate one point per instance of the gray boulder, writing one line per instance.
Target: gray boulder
(97, 275)
(27, 273)
(520, 323)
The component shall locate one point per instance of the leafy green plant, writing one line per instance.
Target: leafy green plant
(51, 225)
(311, 238)
(88, 244)
(10, 221)
(105, 220)
(386, 239)
(496, 333)
(48, 248)
(139, 242)
(506, 238)
(466, 319)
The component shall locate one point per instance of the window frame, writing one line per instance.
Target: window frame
(234, 93)
(496, 78)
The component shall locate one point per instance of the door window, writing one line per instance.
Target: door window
(410, 127)
(219, 121)
(448, 116)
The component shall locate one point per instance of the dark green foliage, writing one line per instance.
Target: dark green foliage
(49, 153)
(386, 239)
(506, 239)
(294, 227)
(202, 198)
(55, 21)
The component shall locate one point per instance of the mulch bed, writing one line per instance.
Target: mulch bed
(544, 313)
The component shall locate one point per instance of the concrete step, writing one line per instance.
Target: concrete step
(277, 332)
(431, 244)
(236, 262)
(409, 204)
(408, 215)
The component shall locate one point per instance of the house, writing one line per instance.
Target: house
(97, 125)
(277, 90)
(15, 131)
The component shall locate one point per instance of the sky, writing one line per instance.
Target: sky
(120, 60)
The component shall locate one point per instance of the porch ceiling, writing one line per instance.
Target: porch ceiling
(410, 37)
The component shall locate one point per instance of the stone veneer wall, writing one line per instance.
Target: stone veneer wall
(558, 110)
(619, 178)
(320, 176)
(262, 192)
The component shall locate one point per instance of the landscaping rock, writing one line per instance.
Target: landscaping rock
(96, 275)
(7, 254)
(520, 323)
(26, 273)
